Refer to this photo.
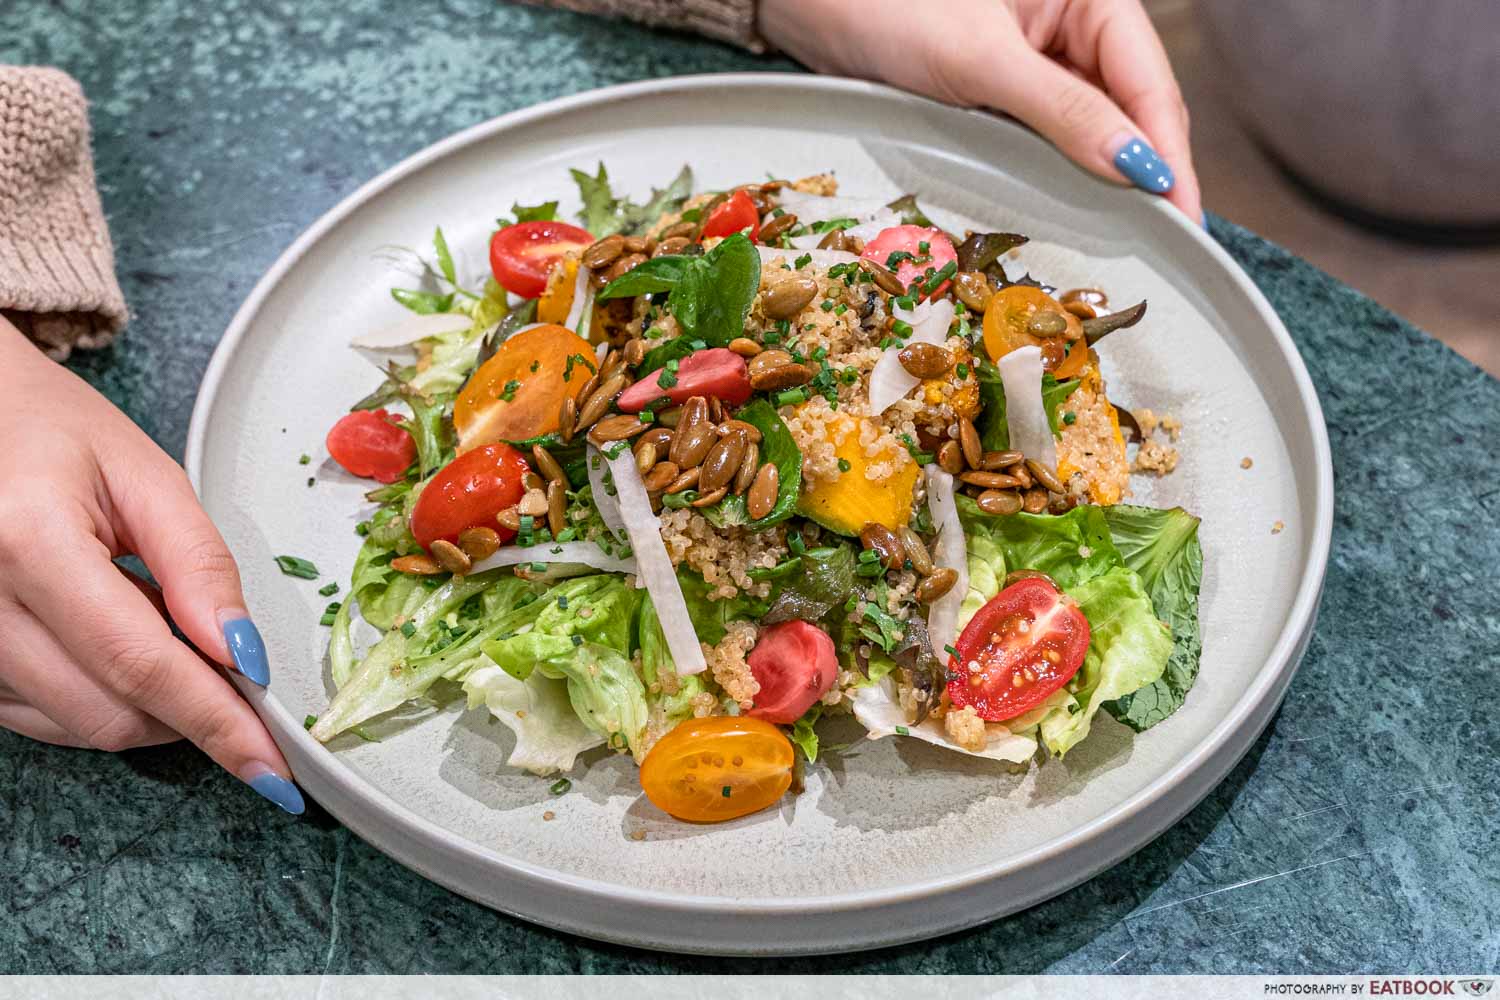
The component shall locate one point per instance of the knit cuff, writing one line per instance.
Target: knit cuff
(730, 21)
(57, 267)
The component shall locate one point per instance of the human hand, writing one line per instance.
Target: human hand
(1089, 75)
(88, 658)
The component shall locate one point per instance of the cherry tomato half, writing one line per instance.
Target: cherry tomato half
(518, 393)
(795, 664)
(368, 443)
(713, 371)
(523, 254)
(1020, 647)
(909, 239)
(735, 214)
(708, 770)
(468, 492)
(1007, 320)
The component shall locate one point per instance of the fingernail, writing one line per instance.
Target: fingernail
(1135, 158)
(246, 647)
(273, 786)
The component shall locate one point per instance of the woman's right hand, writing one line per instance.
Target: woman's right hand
(88, 658)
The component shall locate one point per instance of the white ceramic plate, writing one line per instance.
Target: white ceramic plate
(895, 840)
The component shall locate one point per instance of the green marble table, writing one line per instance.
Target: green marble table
(1360, 834)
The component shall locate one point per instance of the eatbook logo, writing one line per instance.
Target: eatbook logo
(1476, 987)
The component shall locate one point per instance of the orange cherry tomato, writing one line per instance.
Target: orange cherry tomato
(518, 394)
(1008, 313)
(709, 770)
(735, 214)
(468, 492)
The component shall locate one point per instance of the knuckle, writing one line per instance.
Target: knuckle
(135, 670)
(214, 730)
(1079, 107)
(116, 731)
(205, 558)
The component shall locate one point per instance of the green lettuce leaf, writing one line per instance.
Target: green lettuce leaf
(606, 693)
(668, 708)
(598, 609)
(1128, 650)
(1162, 547)
(711, 616)
(1070, 548)
(804, 736)
(823, 579)
(605, 214)
(549, 733)
(994, 432)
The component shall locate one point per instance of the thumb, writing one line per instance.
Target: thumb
(1076, 117)
(167, 528)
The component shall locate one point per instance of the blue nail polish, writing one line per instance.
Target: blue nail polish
(1143, 168)
(247, 650)
(280, 791)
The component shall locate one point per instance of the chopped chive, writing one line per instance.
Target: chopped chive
(903, 731)
(901, 328)
(844, 465)
(578, 640)
(725, 791)
(535, 365)
(826, 305)
(1070, 417)
(802, 261)
(311, 480)
(840, 309)
(539, 567)
(959, 309)
(329, 590)
(796, 543)
(666, 379)
(560, 786)
(408, 629)
(304, 459)
(509, 392)
(951, 651)
(962, 371)
(332, 607)
(924, 247)
(895, 257)
(362, 528)
(698, 345)
(791, 397)
(309, 722)
(297, 566)
(567, 535)
(327, 619)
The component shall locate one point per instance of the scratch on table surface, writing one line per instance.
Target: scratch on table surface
(342, 844)
(1421, 788)
(1250, 882)
(1122, 958)
(1322, 809)
(155, 825)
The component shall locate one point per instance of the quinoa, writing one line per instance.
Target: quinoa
(823, 184)
(1155, 458)
(1091, 445)
(723, 557)
(966, 728)
(726, 661)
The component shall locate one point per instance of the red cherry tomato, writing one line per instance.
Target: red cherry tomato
(1020, 648)
(909, 239)
(735, 214)
(523, 254)
(716, 371)
(468, 492)
(795, 665)
(368, 443)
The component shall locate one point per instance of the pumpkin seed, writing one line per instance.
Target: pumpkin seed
(1047, 323)
(685, 481)
(603, 252)
(478, 543)
(722, 462)
(835, 240)
(883, 542)
(675, 229)
(715, 410)
(589, 385)
(533, 504)
(787, 297)
(1021, 473)
(935, 586)
(509, 519)
(921, 559)
(763, 492)
(645, 456)
(532, 481)
(635, 350)
(619, 427)
(547, 465)
(1062, 504)
(671, 245)
(710, 498)
(602, 399)
(705, 211)
(567, 419)
(623, 266)
(993, 461)
(787, 376)
(968, 440)
(1004, 502)
(885, 280)
(660, 476)
(450, 557)
(766, 360)
(746, 474)
(694, 434)
(416, 565)
(950, 458)
(990, 480)
(972, 289)
(750, 430)
(637, 244)
(923, 360)
(669, 417)
(744, 347)
(557, 508)
(1045, 476)
(771, 231)
(1095, 329)
(1035, 500)
(661, 437)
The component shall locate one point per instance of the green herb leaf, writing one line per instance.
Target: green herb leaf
(803, 734)
(777, 447)
(604, 214)
(709, 296)
(298, 567)
(545, 212)
(911, 215)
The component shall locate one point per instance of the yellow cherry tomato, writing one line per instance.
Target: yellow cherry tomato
(710, 770)
(1008, 313)
(518, 393)
(557, 298)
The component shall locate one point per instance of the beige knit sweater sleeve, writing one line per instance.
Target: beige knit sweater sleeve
(727, 20)
(57, 267)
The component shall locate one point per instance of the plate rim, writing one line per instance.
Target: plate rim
(1210, 758)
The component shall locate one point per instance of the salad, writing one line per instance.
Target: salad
(688, 478)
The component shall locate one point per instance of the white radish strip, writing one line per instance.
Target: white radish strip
(583, 301)
(608, 503)
(411, 330)
(656, 568)
(952, 552)
(876, 708)
(807, 241)
(820, 258)
(811, 208)
(889, 380)
(1021, 373)
(556, 554)
(871, 228)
